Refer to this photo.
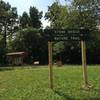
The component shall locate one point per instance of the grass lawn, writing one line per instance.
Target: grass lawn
(32, 84)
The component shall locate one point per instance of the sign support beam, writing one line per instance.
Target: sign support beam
(67, 35)
(50, 65)
(83, 48)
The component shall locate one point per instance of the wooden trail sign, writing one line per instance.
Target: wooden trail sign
(66, 34)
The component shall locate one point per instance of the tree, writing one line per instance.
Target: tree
(78, 14)
(32, 41)
(57, 15)
(25, 20)
(8, 16)
(89, 15)
(35, 17)
(85, 15)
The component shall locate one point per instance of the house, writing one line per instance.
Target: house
(16, 58)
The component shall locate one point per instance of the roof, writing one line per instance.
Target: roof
(16, 53)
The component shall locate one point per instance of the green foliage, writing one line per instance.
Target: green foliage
(4, 8)
(8, 16)
(25, 20)
(33, 42)
(85, 13)
(58, 47)
(32, 84)
(57, 15)
(2, 50)
(80, 13)
(31, 20)
(35, 17)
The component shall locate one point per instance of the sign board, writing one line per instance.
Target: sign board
(66, 34)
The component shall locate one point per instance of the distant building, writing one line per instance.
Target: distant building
(16, 58)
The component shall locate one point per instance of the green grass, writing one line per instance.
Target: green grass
(32, 84)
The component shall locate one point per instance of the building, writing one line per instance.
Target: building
(16, 58)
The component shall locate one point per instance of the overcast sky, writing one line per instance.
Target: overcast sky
(24, 5)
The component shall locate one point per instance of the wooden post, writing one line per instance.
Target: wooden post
(50, 65)
(83, 48)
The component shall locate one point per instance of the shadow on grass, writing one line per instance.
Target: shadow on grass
(64, 95)
(6, 68)
(67, 97)
(97, 90)
(94, 99)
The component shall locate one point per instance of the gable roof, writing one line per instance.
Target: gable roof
(16, 53)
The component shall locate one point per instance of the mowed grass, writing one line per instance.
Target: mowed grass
(32, 84)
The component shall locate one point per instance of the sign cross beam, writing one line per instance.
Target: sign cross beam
(66, 34)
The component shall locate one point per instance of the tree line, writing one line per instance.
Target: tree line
(21, 33)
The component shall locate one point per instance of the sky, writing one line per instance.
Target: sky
(24, 5)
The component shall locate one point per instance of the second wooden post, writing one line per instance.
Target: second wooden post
(83, 48)
(50, 65)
